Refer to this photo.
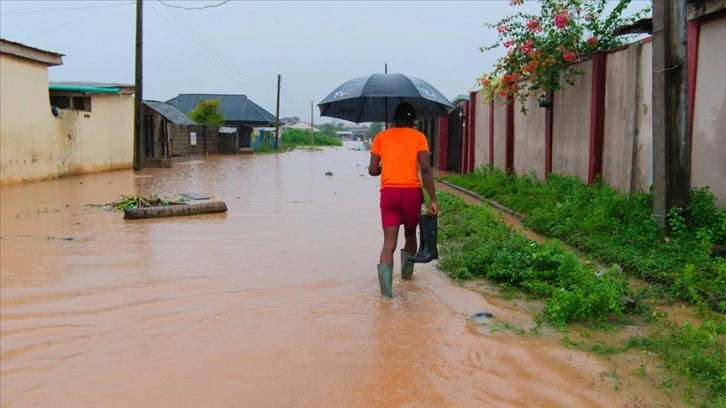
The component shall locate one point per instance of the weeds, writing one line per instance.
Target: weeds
(612, 229)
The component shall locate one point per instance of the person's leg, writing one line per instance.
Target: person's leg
(390, 221)
(411, 210)
(390, 241)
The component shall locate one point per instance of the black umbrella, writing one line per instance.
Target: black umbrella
(374, 98)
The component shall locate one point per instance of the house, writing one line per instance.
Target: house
(300, 125)
(239, 112)
(167, 134)
(89, 128)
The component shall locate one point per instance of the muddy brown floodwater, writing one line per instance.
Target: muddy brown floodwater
(272, 304)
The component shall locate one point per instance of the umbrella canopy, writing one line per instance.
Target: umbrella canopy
(374, 98)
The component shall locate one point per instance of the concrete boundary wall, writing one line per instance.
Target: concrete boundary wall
(624, 161)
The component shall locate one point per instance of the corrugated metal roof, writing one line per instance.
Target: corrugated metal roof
(170, 113)
(50, 58)
(235, 108)
(125, 88)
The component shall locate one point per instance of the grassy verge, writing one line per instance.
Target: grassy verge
(615, 230)
(299, 138)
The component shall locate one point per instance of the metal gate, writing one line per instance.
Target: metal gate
(455, 137)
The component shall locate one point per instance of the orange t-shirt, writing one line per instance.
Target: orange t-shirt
(398, 148)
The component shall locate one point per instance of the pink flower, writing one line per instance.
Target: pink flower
(508, 43)
(516, 2)
(569, 56)
(527, 47)
(592, 41)
(533, 25)
(561, 20)
(502, 29)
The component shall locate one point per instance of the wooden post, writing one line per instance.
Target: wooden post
(277, 115)
(138, 94)
(597, 116)
(671, 144)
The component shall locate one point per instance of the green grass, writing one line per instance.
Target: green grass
(611, 229)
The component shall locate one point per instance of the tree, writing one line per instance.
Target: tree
(208, 113)
(330, 129)
(541, 49)
(375, 129)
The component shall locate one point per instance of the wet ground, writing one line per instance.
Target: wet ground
(274, 303)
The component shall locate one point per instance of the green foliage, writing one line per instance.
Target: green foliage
(477, 243)
(693, 354)
(614, 229)
(374, 129)
(208, 113)
(542, 47)
(619, 229)
(329, 129)
(300, 137)
(138, 201)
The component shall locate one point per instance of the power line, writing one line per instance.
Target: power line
(63, 24)
(202, 50)
(218, 56)
(193, 8)
(116, 4)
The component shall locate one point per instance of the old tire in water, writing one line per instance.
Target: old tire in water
(175, 210)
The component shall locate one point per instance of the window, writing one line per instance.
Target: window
(80, 103)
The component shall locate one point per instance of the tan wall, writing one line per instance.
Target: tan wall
(36, 145)
(500, 123)
(708, 167)
(643, 150)
(104, 138)
(571, 126)
(481, 130)
(28, 136)
(619, 120)
(529, 138)
(628, 132)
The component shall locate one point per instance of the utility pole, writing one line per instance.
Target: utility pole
(385, 104)
(671, 140)
(312, 126)
(277, 121)
(138, 97)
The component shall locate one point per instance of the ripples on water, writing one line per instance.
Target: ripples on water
(274, 303)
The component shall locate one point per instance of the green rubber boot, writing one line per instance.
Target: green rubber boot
(385, 279)
(406, 265)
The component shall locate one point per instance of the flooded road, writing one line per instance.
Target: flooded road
(272, 304)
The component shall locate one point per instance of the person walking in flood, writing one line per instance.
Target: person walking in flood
(398, 155)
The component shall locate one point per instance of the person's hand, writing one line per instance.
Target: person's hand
(433, 209)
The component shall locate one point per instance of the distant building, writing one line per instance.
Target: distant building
(55, 129)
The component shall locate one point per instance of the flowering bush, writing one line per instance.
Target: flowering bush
(542, 48)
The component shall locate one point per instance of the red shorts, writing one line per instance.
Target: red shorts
(401, 206)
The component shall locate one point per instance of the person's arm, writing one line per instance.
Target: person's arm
(427, 176)
(374, 167)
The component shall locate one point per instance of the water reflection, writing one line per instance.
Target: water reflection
(274, 303)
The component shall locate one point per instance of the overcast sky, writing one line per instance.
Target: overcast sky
(240, 47)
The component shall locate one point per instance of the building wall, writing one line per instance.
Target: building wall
(529, 139)
(500, 121)
(36, 145)
(628, 123)
(619, 120)
(29, 141)
(708, 165)
(179, 139)
(481, 130)
(571, 126)
(100, 140)
(207, 138)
